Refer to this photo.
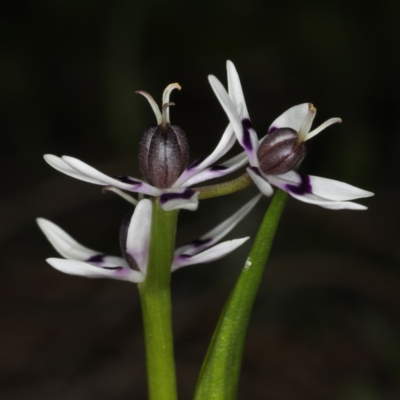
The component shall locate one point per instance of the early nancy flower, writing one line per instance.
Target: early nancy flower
(135, 242)
(274, 159)
(163, 159)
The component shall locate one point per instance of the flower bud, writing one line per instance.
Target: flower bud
(163, 154)
(280, 152)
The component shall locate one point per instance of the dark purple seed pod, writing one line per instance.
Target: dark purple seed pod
(163, 155)
(280, 152)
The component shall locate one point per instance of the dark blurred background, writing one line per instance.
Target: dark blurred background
(326, 320)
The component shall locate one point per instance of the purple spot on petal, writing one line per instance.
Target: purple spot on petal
(218, 168)
(98, 258)
(196, 163)
(272, 129)
(126, 179)
(114, 268)
(186, 195)
(257, 171)
(247, 125)
(303, 187)
(185, 256)
(200, 242)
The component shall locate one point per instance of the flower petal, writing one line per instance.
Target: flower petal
(79, 268)
(212, 254)
(235, 88)
(123, 182)
(218, 171)
(180, 199)
(220, 231)
(225, 144)
(259, 180)
(292, 118)
(324, 192)
(60, 165)
(138, 236)
(63, 243)
(243, 129)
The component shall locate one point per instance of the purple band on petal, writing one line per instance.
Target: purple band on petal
(256, 171)
(126, 179)
(303, 187)
(114, 268)
(200, 242)
(196, 163)
(184, 256)
(218, 168)
(272, 128)
(247, 125)
(185, 195)
(98, 258)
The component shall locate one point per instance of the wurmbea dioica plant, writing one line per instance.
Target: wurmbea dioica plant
(147, 235)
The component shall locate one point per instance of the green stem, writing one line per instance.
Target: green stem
(156, 306)
(221, 368)
(222, 189)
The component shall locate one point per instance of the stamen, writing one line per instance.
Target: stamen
(153, 105)
(322, 127)
(306, 126)
(165, 114)
(167, 93)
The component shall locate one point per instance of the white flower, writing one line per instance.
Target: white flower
(135, 242)
(324, 192)
(178, 194)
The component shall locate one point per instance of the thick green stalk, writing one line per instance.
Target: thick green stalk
(156, 306)
(221, 368)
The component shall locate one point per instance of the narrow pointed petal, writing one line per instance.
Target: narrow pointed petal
(322, 127)
(123, 182)
(186, 199)
(60, 165)
(225, 144)
(212, 254)
(235, 88)
(220, 231)
(79, 268)
(324, 192)
(259, 180)
(242, 127)
(63, 243)
(292, 118)
(138, 236)
(218, 171)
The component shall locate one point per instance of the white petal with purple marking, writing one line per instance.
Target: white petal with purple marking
(225, 144)
(324, 192)
(79, 268)
(259, 180)
(125, 183)
(180, 199)
(218, 171)
(212, 254)
(244, 132)
(220, 231)
(138, 236)
(65, 244)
